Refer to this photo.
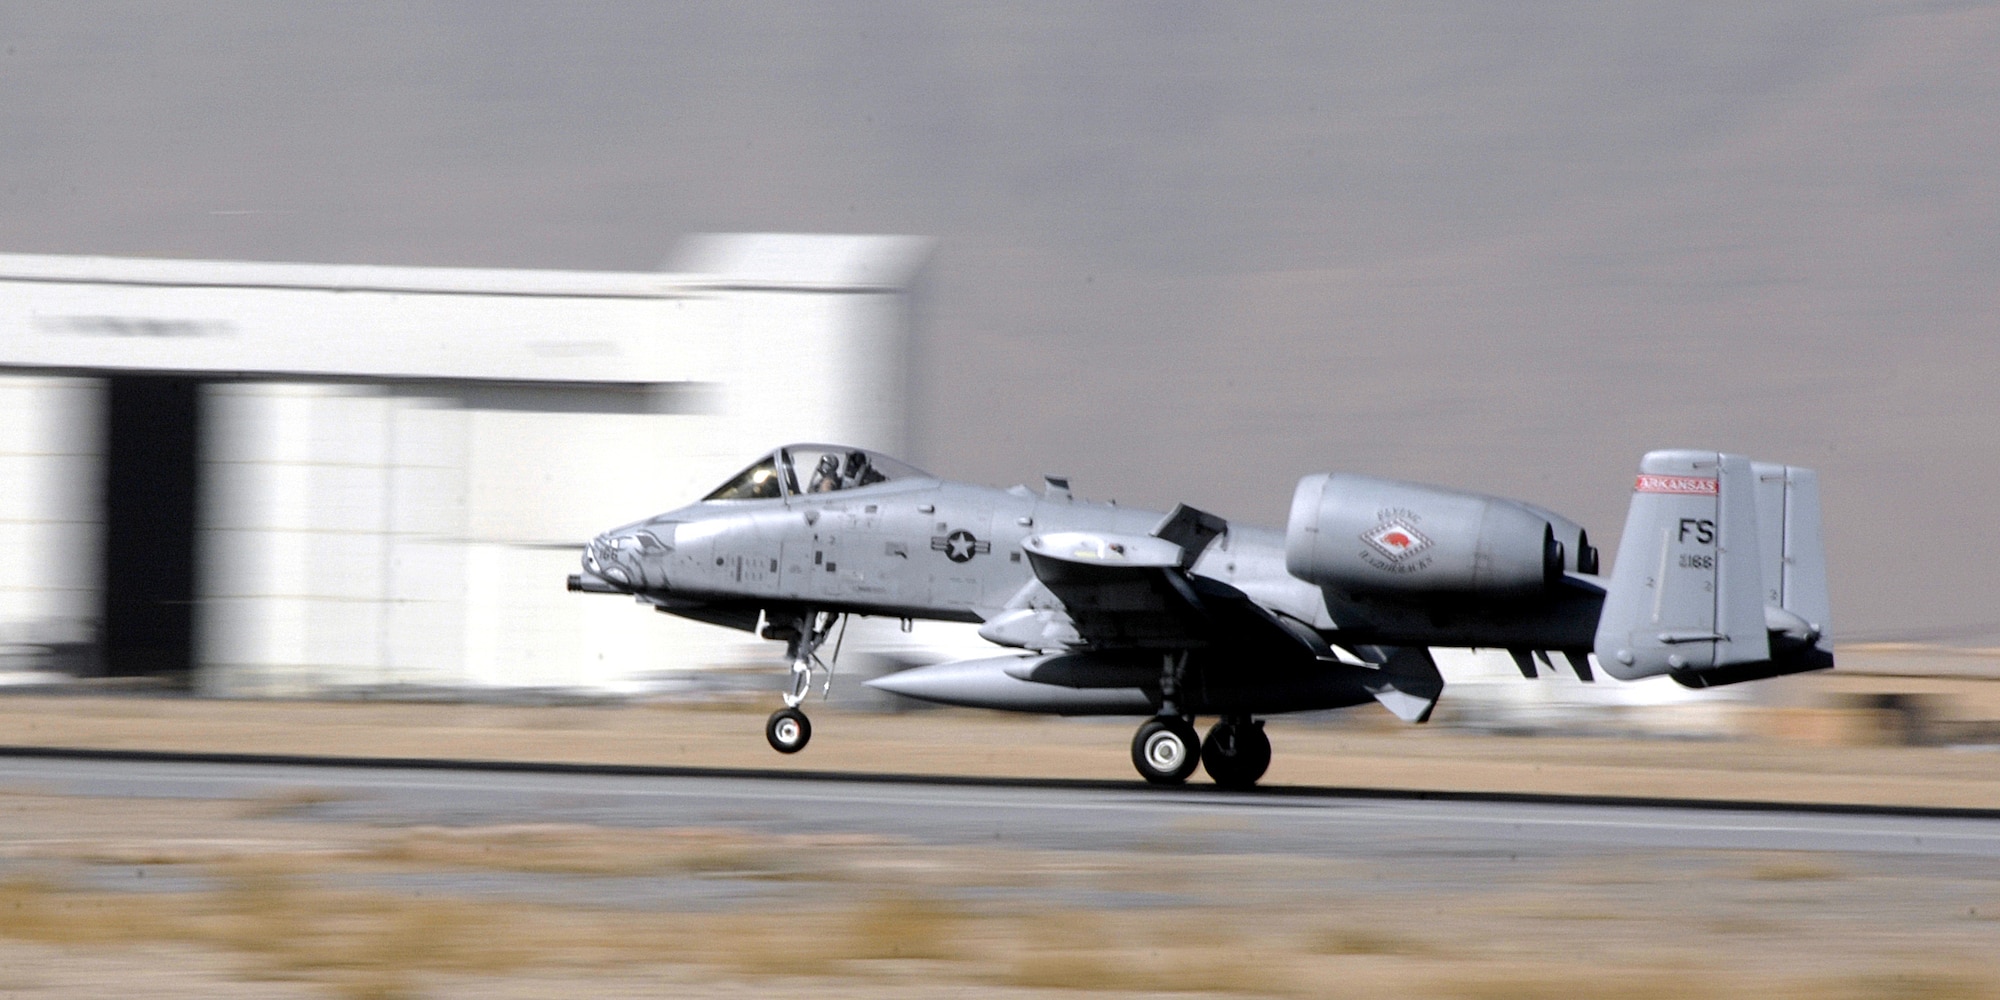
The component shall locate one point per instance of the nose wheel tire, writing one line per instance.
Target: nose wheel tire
(1165, 751)
(788, 730)
(1236, 754)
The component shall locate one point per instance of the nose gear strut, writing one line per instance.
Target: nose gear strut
(788, 729)
(806, 635)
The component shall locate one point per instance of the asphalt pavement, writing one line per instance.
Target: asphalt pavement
(1058, 816)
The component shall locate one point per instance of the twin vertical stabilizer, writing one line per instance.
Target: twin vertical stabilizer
(1721, 573)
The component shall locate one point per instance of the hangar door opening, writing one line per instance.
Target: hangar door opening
(151, 481)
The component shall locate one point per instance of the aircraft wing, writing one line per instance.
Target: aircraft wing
(1126, 592)
(1135, 592)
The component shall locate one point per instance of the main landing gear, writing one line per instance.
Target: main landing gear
(1236, 752)
(1166, 749)
(788, 730)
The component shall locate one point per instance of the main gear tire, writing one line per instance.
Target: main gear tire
(788, 730)
(1236, 754)
(1166, 751)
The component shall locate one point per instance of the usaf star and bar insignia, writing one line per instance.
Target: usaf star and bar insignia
(959, 546)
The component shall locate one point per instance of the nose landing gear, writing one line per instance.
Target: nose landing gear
(788, 730)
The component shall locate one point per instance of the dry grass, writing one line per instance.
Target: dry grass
(288, 802)
(362, 944)
(1158, 952)
(280, 922)
(1643, 986)
(851, 917)
(1365, 941)
(573, 850)
(1656, 984)
(1794, 869)
(909, 926)
(139, 851)
(39, 908)
(1913, 986)
(383, 945)
(1739, 926)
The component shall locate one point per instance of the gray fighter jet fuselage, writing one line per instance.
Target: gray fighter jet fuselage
(1178, 614)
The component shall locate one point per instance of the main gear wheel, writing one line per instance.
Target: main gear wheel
(1166, 750)
(1236, 752)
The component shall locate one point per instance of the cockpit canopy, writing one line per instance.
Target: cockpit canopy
(819, 468)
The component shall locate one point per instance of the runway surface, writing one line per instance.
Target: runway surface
(1053, 817)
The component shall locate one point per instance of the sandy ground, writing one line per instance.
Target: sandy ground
(271, 898)
(1356, 752)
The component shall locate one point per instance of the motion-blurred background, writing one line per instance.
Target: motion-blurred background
(1180, 252)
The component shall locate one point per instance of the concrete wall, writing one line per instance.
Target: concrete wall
(50, 470)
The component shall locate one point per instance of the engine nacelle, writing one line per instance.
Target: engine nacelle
(1365, 535)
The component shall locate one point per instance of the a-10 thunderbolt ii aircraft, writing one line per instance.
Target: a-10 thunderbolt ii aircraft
(1720, 578)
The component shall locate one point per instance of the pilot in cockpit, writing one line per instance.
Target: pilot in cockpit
(859, 472)
(837, 471)
(826, 478)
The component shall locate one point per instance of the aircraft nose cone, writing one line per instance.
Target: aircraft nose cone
(600, 558)
(633, 556)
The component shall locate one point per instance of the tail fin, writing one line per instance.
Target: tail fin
(1721, 575)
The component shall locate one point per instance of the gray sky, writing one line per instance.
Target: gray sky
(1187, 252)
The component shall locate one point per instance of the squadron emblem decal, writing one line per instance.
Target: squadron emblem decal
(1398, 541)
(959, 546)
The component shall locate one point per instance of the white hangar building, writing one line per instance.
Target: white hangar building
(285, 478)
